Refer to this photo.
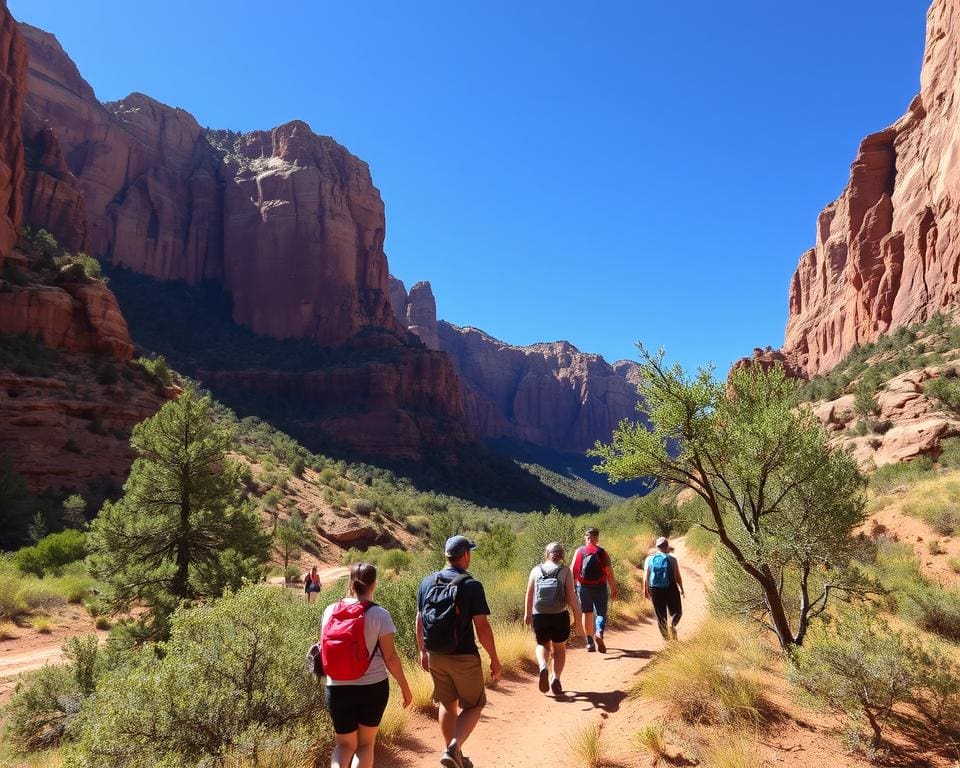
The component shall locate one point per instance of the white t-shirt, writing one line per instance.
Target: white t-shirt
(548, 569)
(376, 623)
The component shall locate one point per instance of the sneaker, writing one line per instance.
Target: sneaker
(544, 684)
(467, 762)
(451, 757)
(590, 646)
(600, 644)
(556, 687)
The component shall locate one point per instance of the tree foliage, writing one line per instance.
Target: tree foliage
(782, 504)
(14, 505)
(232, 678)
(181, 531)
(51, 553)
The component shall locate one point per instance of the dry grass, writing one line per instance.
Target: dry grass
(48, 759)
(421, 686)
(651, 738)
(395, 717)
(278, 756)
(937, 502)
(43, 625)
(515, 645)
(709, 678)
(588, 746)
(734, 749)
(8, 630)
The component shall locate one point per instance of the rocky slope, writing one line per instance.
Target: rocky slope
(887, 251)
(550, 395)
(286, 221)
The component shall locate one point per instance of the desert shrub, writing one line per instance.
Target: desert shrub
(950, 453)
(47, 700)
(51, 553)
(75, 587)
(495, 549)
(156, 368)
(588, 745)
(651, 738)
(232, 679)
(22, 595)
(395, 560)
(946, 391)
(954, 564)
(662, 516)
(399, 597)
(934, 548)
(539, 530)
(891, 476)
(937, 503)
(364, 507)
(297, 466)
(700, 541)
(933, 608)
(708, 678)
(859, 668)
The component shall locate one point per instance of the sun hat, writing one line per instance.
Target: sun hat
(662, 542)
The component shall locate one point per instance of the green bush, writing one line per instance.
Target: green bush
(935, 609)
(22, 595)
(891, 476)
(156, 369)
(539, 530)
(51, 553)
(232, 679)
(946, 391)
(950, 453)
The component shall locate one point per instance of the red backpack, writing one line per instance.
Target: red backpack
(343, 648)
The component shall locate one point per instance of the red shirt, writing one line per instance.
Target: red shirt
(575, 567)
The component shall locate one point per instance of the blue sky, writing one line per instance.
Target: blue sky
(635, 170)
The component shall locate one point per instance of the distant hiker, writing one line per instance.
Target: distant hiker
(549, 594)
(593, 571)
(663, 586)
(450, 604)
(357, 649)
(311, 584)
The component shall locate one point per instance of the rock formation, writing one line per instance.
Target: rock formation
(887, 251)
(13, 77)
(550, 395)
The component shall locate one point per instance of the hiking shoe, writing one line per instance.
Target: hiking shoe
(600, 644)
(556, 687)
(543, 683)
(590, 646)
(451, 757)
(467, 762)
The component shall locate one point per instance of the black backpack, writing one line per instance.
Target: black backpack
(591, 567)
(440, 614)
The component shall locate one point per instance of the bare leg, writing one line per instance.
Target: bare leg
(466, 723)
(448, 721)
(588, 627)
(559, 659)
(366, 741)
(344, 749)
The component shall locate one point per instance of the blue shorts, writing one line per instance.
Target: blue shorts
(593, 598)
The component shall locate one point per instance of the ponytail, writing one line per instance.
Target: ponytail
(362, 577)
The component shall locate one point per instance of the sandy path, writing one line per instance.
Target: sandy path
(523, 728)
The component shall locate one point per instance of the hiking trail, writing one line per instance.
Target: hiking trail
(523, 728)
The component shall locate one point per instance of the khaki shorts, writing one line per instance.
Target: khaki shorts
(457, 677)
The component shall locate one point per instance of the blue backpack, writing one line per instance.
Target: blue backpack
(661, 571)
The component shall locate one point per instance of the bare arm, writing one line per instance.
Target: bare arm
(485, 636)
(611, 579)
(528, 602)
(424, 659)
(677, 576)
(646, 578)
(389, 651)
(575, 605)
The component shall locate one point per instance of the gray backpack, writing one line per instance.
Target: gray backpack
(549, 594)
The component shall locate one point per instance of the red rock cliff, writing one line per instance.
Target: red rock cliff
(13, 77)
(887, 251)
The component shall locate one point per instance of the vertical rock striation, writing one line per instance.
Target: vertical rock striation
(887, 251)
(13, 79)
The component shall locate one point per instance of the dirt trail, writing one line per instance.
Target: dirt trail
(523, 728)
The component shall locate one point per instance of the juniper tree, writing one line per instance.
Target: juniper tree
(782, 504)
(181, 531)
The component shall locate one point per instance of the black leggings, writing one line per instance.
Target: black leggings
(666, 600)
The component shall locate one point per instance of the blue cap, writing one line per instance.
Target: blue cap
(457, 545)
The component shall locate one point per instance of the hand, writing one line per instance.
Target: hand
(424, 661)
(682, 593)
(646, 594)
(613, 595)
(495, 669)
(527, 619)
(407, 696)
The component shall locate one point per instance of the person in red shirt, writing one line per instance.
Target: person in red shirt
(593, 573)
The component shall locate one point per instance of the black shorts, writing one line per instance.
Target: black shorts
(551, 627)
(354, 705)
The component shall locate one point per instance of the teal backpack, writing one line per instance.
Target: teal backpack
(661, 571)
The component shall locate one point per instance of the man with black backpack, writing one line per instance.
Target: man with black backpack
(450, 605)
(663, 586)
(593, 571)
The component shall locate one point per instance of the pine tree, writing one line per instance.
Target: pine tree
(181, 531)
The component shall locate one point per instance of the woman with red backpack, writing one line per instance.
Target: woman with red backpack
(358, 650)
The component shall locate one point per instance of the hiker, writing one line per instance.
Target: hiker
(311, 584)
(549, 594)
(663, 586)
(357, 687)
(450, 605)
(592, 572)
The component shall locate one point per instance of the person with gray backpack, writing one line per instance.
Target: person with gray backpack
(663, 586)
(550, 594)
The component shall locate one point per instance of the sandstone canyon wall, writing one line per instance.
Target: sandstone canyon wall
(549, 394)
(13, 76)
(887, 251)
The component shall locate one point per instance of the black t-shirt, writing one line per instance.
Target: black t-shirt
(472, 600)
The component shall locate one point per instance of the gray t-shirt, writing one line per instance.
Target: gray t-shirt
(549, 568)
(376, 623)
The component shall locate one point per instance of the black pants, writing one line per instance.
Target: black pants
(667, 600)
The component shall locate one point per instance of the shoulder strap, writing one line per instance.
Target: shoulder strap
(543, 573)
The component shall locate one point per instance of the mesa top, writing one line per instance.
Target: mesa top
(376, 622)
(472, 601)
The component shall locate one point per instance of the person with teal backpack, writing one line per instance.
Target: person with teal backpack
(663, 586)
